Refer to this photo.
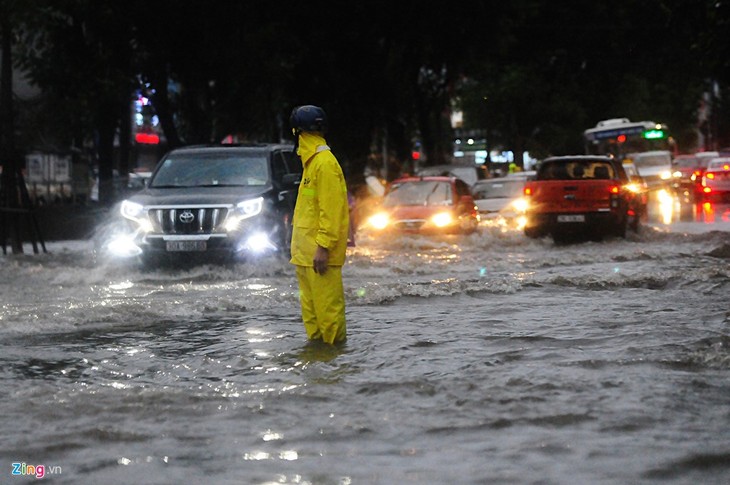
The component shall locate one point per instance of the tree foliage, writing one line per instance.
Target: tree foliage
(531, 74)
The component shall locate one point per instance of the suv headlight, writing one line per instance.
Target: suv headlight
(135, 212)
(132, 210)
(244, 210)
(250, 208)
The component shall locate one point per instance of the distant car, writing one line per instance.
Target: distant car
(470, 174)
(639, 187)
(716, 179)
(501, 199)
(688, 172)
(655, 167)
(208, 203)
(426, 205)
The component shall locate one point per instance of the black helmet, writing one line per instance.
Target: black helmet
(308, 118)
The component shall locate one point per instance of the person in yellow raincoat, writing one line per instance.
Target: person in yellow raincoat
(320, 229)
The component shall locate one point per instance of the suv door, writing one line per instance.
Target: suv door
(285, 162)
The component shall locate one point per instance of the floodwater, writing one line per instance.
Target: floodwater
(487, 359)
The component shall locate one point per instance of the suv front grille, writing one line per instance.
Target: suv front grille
(187, 220)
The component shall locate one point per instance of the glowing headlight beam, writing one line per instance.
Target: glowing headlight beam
(379, 221)
(520, 205)
(132, 210)
(442, 219)
(251, 207)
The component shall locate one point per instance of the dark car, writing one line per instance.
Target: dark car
(206, 202)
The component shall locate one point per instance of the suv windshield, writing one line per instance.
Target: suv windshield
(196, 170)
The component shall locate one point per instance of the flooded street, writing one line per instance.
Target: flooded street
(490, 358)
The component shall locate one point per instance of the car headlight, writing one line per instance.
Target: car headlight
(379, 220)
(520, 205)
(442, 219)
(132, 210)
(244, 210)
(250, 208)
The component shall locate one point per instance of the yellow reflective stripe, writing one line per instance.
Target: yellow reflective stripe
(309, 192)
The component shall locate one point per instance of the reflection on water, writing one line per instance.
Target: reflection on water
(667, 208)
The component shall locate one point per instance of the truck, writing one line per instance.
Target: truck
(582, 195)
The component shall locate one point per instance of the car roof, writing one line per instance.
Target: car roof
(239, 147)
(500, 180)
(717, 162)
(424, 178)
(567, 158)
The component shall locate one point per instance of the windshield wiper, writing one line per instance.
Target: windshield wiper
(221, 185)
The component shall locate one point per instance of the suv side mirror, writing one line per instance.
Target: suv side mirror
(291, 180)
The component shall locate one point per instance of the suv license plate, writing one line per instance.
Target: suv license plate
(572, 218)
(186, 245)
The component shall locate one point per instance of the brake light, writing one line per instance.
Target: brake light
(710, 175)
(528, 190)
(726, 167)
(707, 190)
(614, 189)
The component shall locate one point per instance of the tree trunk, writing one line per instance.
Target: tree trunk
(125, 136)
(9, 187)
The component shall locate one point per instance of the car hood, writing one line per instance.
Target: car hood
(416, 211)
(198, 195)
(492, 205)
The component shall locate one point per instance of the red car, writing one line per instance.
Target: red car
(582, 195)
(716, 179)
(426, 205)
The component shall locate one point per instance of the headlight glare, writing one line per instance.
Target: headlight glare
(520, 205)
(379, 221)
(442, 219)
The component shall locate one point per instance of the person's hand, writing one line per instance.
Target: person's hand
(321, 258)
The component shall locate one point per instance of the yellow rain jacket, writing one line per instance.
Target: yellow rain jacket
(321, 218)
(321, 215)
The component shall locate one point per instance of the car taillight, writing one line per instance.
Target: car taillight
(710, 176)
(528, 191)
(614, 191)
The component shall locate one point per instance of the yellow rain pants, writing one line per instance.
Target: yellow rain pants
(321, 218)
(323, 303)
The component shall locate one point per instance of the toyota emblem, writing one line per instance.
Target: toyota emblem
(187, 217)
